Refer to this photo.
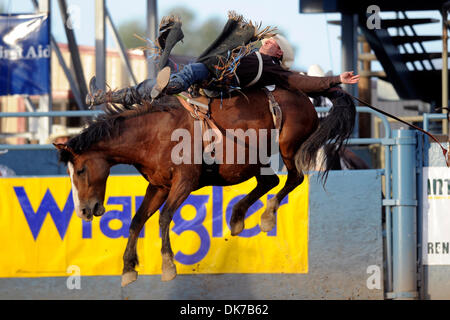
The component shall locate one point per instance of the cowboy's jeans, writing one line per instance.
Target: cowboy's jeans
(180, 81)
(190, 74)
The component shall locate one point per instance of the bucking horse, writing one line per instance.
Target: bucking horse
(143, 138)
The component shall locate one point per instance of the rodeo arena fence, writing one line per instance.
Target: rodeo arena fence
(366, 234)
(344, 241)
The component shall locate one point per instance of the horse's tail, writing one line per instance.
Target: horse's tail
(331, 134)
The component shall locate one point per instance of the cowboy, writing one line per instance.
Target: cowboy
(60, 134)
(266, 66)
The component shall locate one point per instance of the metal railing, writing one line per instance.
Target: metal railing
(433, 117)
(80, 113)
(398, 149)
(425, 119)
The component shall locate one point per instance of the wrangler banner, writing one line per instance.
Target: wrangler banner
(41, 236)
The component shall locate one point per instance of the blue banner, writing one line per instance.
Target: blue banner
(24, 54)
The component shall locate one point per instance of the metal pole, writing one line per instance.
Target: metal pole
(45, 101)
(365, 93)
(349, 50)
(404, 217)
(152, 29)
(122, 50)
(100, 45)
(74, 53)
(388, 214)
(445, 8)
(72, 83)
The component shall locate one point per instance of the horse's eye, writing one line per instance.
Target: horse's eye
(81, 171)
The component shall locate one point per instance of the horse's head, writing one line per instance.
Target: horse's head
(88, 173)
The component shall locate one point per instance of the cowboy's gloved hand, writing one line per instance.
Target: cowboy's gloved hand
(347, 77)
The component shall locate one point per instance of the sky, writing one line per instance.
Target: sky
(315, 41)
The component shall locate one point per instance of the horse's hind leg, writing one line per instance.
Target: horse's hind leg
(153, 199)
(265, 183)
(178, 193)
(268, 218)
(291, 138)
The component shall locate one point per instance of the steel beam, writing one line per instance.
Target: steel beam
(389, 56)
(349, 48)
(121, 47)
(72, 83)
(100, 45)
(404, 216)
(152, 29)
(45, 101)
(74, 53)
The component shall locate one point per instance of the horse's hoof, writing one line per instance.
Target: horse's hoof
(169, 273)
(169, 270)
(129, 277)
(267, 222)
(236, 228)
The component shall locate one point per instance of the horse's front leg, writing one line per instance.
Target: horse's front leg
(178, 193)
(265, 183)
(153, 199)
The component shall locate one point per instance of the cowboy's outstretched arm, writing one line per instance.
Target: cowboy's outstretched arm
(310, 84)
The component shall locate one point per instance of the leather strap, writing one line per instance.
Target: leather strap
(260, 69)
(203, 115)
(275, 109)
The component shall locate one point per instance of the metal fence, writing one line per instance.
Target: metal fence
(401, 171)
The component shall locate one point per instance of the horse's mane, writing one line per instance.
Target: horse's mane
(108, 124)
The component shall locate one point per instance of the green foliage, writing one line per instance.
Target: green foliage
(197, 37)
(128, 29)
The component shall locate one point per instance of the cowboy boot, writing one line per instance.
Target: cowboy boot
(167, 83)
(129, 95)
(150, 88)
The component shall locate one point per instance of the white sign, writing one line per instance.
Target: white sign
(436, 216)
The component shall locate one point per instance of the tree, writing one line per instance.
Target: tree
(196, 37)
(128, 29)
